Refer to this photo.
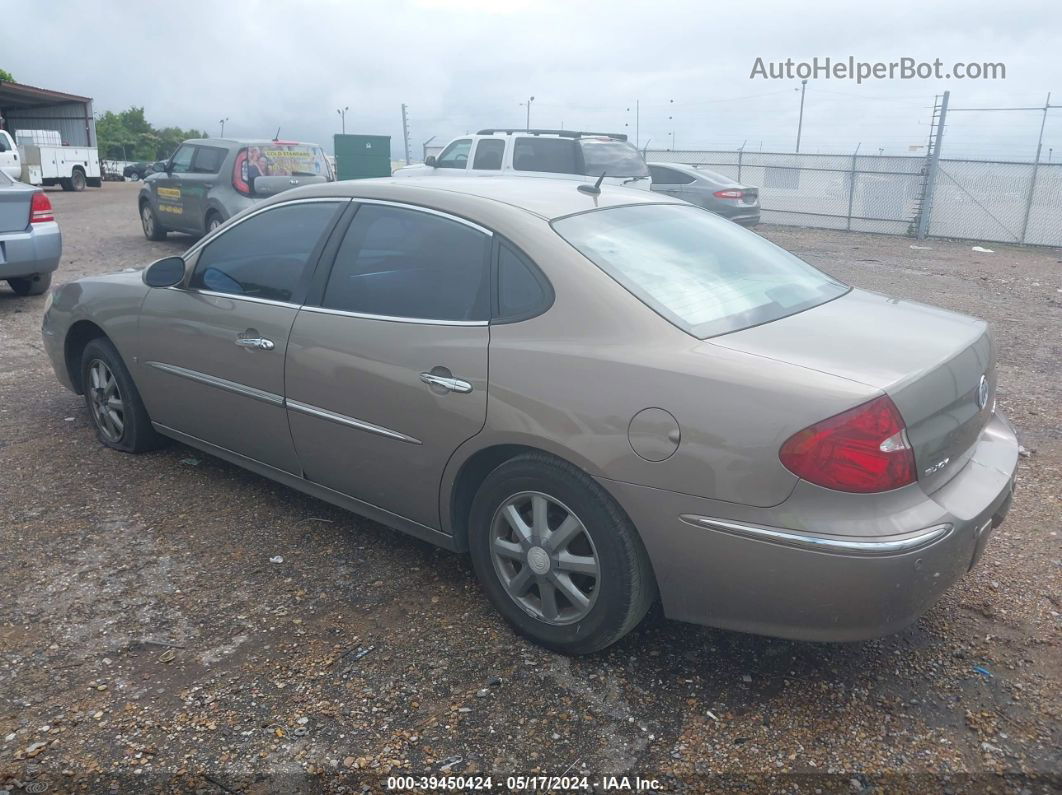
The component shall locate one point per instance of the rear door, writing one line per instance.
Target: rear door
(387, 375)
(202, 175)
(670, 181)
(487, 156)
(212, 351)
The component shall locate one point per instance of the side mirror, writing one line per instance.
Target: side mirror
(164, 272)
(161, 165)
(430, 161)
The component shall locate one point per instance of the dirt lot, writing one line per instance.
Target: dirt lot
(147, 641)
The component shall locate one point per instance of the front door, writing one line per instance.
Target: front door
(387, 375)
(211, 361)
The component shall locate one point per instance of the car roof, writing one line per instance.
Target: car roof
(246, 142)
(705, 173)
(544, 197)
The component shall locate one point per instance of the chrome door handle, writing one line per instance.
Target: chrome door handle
(450, 384)
(255, 343)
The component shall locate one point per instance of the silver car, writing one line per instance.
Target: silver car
(30, 241)
(708, 189)
(209, 180)
(605, 397)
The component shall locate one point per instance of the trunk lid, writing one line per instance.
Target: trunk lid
(929, 361)
(15, 206)
(270, 186)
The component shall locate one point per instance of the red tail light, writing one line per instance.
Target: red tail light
(41, 208)
(239, 174)
(729, 194)
(861, 450)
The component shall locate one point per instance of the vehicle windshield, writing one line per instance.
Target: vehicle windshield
(704, 274)
(614, 158)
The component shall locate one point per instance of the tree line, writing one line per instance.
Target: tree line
(129, 136)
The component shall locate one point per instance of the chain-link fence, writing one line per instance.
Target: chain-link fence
(974, 199)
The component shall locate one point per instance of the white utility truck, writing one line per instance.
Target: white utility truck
(39, 158)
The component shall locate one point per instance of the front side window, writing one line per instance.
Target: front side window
(702, 273)
(455, 155)
(181, 162)
(266, 255)
(489, 154)
(403, 263)
(550, 155)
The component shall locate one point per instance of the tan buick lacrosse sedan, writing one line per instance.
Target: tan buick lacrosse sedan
(606, 396)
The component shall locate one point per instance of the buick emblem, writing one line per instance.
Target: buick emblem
(982, 393)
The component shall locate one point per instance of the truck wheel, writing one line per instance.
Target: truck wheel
(77, 180)
(66, 184)
(37, 284)
(150, 221)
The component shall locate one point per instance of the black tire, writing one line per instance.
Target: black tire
(66, 184)
(37, 284)
(624, 589)
(136, 433)
(77, 180)
(213, 221)
(149, 222)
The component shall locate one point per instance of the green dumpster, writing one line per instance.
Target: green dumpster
(363, 156)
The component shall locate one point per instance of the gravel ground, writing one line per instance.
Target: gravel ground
(147, 641)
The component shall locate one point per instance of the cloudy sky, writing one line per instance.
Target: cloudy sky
(464, 64)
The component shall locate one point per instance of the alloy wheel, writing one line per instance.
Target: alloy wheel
(545, 558)
(108, 408)
(148, 220)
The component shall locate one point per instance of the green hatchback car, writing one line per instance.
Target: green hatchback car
(209, 180)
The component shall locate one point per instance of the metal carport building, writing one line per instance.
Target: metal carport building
(25, 107)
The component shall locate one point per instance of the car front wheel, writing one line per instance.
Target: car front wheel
(114, 403)
(150, 222)
(557, 556)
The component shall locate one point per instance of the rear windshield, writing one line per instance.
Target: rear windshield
(706, 275)
(586, 156)
(284, 160)
(614, 158)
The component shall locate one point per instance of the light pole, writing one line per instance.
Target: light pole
(800, 121)
(222, 123)
(528, 106)
(343, 117)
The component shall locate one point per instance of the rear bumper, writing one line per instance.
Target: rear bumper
(746, 569)
(35, 250)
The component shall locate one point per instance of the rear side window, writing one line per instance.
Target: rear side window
(520, 292)
(208, 159)
(551, 155)
(455, 155)
(489, 154)
(266, 255)
(668, 176)
(404, 263)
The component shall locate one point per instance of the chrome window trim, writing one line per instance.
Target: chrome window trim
(229, 225)
(430, 211)
(220, 383)
(233, 297)
(350, 422)
(821, 543)
(320, 310)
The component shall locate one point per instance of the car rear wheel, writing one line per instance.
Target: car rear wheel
(118, 413)
(37, 284)
(150, 222)
(557, 556)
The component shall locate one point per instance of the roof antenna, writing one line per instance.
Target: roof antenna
(594, 189)
(277, 136)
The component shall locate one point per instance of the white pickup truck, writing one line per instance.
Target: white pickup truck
(37, 163)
